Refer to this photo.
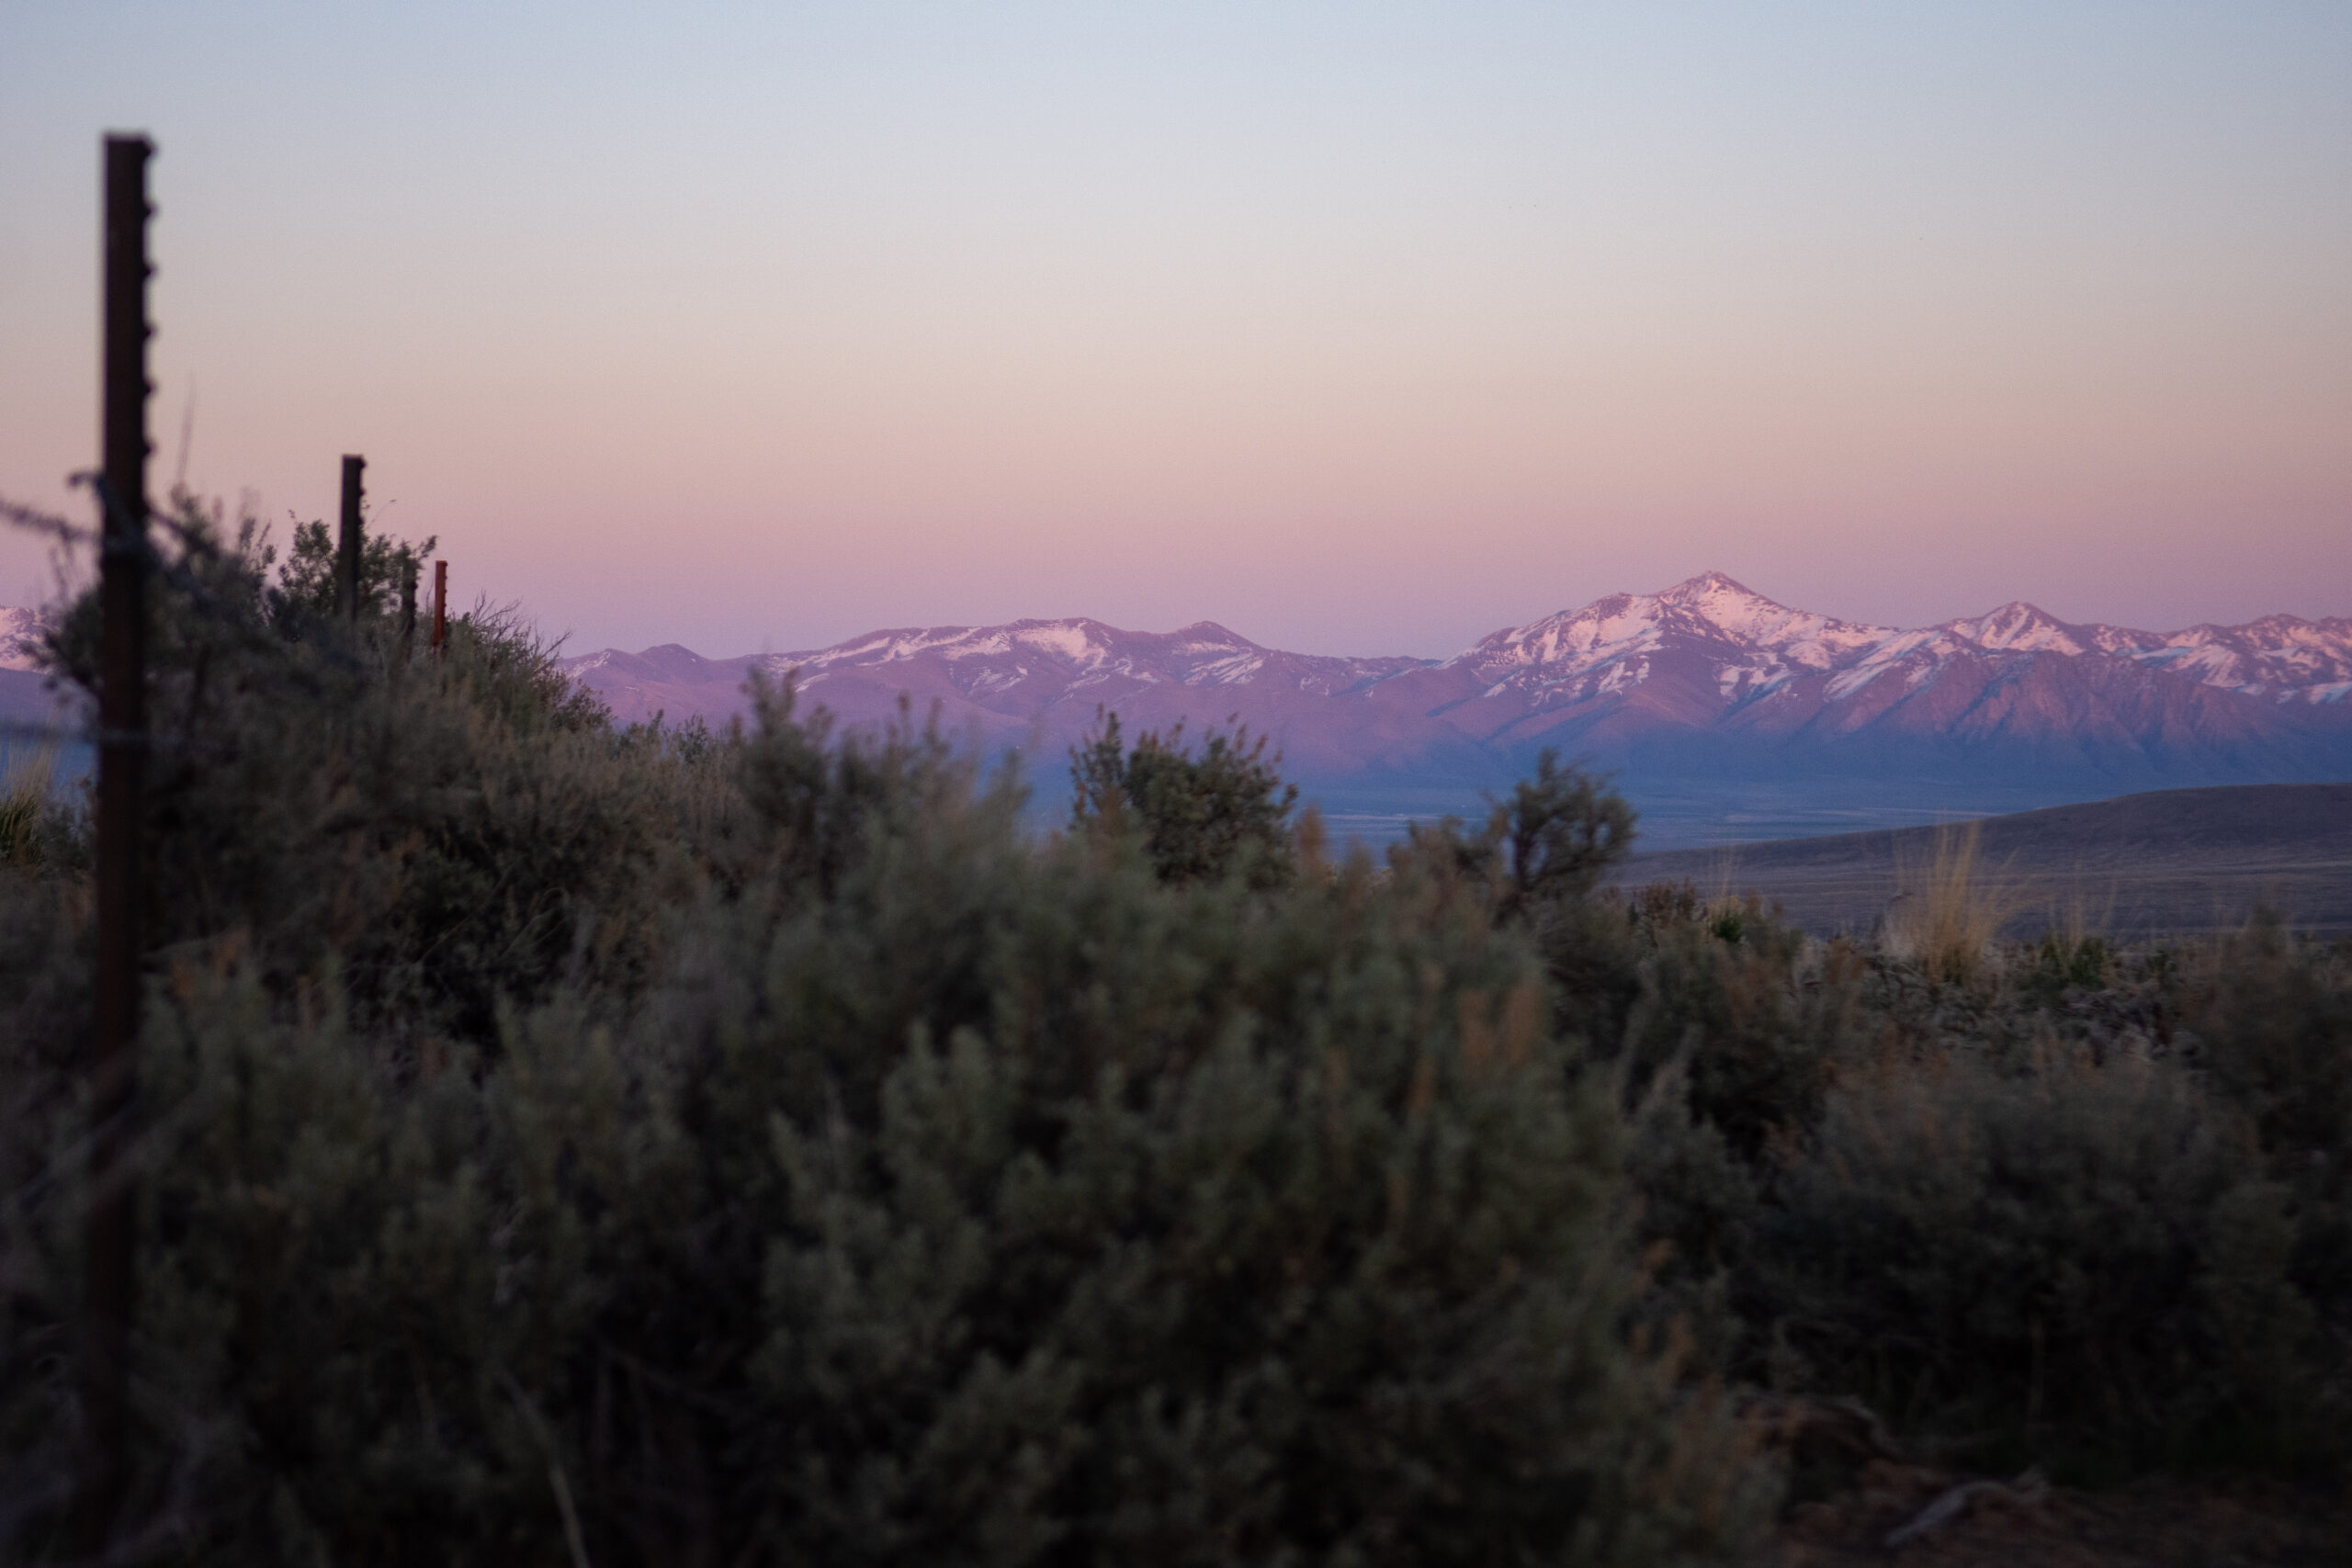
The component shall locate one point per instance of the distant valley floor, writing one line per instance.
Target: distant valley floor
(1701, 813)
(2174, 862)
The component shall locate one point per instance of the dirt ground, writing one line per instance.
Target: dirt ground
(2208, 1522)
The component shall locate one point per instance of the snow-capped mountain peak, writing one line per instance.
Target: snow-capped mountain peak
(1022, 663)
(1077, 648)
(2021, 626)
(1739, 613)
(1712, 635)
(1710, 631)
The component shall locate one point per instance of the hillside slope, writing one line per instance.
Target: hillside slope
(2170, 862)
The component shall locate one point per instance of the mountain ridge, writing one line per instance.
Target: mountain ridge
(1707, 677)
(1701, 687)
(2286, 657)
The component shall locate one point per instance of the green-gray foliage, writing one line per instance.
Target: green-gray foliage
(761, 1148)
(758, 1146)
(1542, 851)
(449, 831)
(304, 593)
(2270, 1021)
(2079, 1259)
(1220, 812)
(2070, 1212)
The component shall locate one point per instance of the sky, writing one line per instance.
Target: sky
(1358, 327)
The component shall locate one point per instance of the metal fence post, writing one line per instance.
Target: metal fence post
(346, 564)
(122, 740)
(408, 603)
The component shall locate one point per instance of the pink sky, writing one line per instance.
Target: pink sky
(1360, 329)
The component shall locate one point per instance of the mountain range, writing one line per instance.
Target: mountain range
(1706, 682)
(1703, 690)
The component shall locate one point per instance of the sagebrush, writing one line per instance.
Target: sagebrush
(762, 1148)
(570, 1141)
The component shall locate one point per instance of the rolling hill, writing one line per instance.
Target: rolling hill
(2174, 862)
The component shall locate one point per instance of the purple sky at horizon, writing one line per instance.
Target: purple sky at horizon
(1358, 328)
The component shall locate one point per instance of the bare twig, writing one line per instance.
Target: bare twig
(40, 522)
(2028, 1491)
(563, 1488)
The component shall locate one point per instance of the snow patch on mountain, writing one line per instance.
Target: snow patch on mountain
(2017, 627)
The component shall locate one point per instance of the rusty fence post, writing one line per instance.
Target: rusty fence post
(347, 561)
(122, 743)
(441, 609)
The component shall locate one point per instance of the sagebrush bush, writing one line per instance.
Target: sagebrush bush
(2078, 1258)
(1757, 1017)
(2268, 1020)
(1222, 811)
(568, 1143)
(1723, 1028)
(664, 1147)
(2086, 1207)
(450, 831)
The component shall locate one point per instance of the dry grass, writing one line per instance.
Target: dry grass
(1949, 911)
(24, 792)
